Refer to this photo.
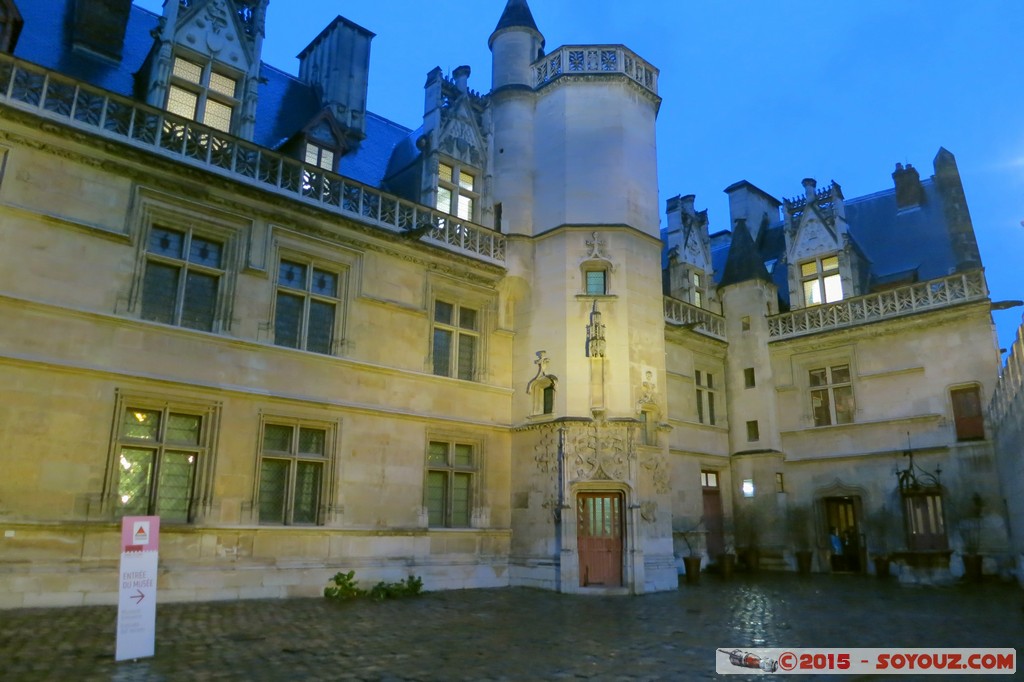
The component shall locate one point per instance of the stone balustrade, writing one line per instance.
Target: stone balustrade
(595, 59)
(31, 88)
(682, 314)
(906, 300)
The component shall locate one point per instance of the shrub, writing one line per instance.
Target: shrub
(344, 587)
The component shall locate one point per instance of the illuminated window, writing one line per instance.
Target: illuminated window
(293, 470)
(697, 288)
(306, 311)
(451, 469)
(709, 479)
(831, 395)
(748, 487)
(456, 337)
(456, 191)
(821, 281)
(319, 156)
(705, 397)
(161, 452)
(199, 93)
(182, 281)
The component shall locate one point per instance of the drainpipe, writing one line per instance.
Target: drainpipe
(560, 505)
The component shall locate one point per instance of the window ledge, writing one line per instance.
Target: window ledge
(596, 297)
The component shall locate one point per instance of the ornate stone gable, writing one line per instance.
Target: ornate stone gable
(813, 238)
(459, 136)
(223, 29)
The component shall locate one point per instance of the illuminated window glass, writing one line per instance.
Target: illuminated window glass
(200, 93)
(159, 452)
(821, 281)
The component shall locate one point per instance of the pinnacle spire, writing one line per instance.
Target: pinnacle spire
(516, 15)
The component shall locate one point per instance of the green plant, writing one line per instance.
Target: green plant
(343, 587)
(408, 587)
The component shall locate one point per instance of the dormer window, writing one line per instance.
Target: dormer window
(697, 288)
(821, 280)
(319, 156)
(199, 93)
(456, 191)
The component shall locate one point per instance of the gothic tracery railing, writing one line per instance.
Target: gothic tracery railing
(571, 60)
(683, 314)
(905, 300)
(52, 96)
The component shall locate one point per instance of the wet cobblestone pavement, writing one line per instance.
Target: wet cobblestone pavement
(513, 634)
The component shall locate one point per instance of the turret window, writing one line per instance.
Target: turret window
(456, 191)
(821, 281)
(199, 93)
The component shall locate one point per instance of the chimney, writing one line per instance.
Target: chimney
(810, 188)
(100, 25)
(462, 78)
(909, 192)
(679, 211)
(336, 64)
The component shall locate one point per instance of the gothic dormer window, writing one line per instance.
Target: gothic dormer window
(821, 280)
(457, 191)
(319, 156)
(202, 92)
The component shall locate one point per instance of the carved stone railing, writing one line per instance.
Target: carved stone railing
(905, 300)
(572, 60)
(52, 96)
(682, 314)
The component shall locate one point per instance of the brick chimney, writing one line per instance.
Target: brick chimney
(99, 26)
(909, 192)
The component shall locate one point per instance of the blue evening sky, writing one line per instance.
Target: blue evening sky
(765, 91)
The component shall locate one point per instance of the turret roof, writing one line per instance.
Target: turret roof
(516, 15)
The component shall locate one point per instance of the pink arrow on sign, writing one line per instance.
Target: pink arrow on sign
(138, 597)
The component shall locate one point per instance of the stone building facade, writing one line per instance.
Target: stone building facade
(311, 339)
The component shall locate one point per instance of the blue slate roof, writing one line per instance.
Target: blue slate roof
(284, 107)
(910, 244)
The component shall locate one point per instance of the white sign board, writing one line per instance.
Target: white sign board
(136, 604)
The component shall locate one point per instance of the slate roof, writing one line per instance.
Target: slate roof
(517, 14)
(900, 245)
(284, 107)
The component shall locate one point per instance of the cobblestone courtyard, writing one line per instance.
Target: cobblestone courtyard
(512, 634)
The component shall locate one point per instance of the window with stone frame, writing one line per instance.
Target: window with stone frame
(706, 391)
(161, 457)
(698, 289)
(202, 91)
(831, 393)
(457, 191)
(450, 483)
(595, 281)
(455, 343)
(821, 280)
(182, 281)
(306, 311)
(294, 467)
(967, 414)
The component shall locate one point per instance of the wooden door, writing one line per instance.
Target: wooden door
(713, 523)
(599, 538)
(841, 521)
